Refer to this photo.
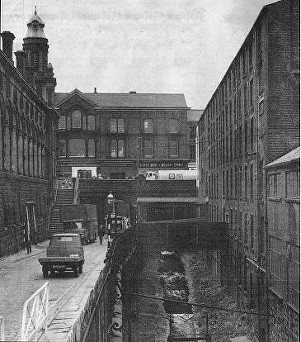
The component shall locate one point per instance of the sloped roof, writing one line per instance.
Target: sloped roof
(194, 114)
(129, 100)
(292, 156)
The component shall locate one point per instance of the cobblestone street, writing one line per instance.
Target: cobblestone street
(21, 275)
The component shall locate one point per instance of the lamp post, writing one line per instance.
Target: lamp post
(111, 201)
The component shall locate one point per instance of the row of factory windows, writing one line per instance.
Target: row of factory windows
(21, 102)
(116, 125)
(117, 148)
(290, 188)
(241, 226)
(241, 67)
(237, 183)
(21, 155)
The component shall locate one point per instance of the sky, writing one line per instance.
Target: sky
(147, 46)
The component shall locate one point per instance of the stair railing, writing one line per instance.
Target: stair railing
(76, 192)
(53, 203)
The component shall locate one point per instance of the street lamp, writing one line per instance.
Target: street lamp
(111, 201)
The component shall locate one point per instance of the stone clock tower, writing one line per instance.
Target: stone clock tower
(35, 57)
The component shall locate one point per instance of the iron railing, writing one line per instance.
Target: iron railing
(34, 319)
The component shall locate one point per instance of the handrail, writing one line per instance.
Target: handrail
(35, 313)
(76, 191)
(2, 330)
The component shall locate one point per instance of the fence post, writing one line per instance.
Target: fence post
(2, 332)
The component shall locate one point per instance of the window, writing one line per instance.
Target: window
(148, 126)
(77, 148)
(173, 126)
(251, 182)
(292, 184)
(91, 122)
(261, 107)
(273, 186)
(252, 134)
(294, 277)
(62, 148)
(246, 136)
(91, 148)
(251, 94)
(120, 149)
(148, 149)
(173, 148)
(120, 125)
(62, 122)
(35, 58)
(117, 125)
(278, 265)
(117, 149)
(68, 122)
(246, 229)
(76, 119)
(252, 231)
(246, 182)
(113, 149)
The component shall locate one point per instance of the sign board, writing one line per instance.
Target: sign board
(164, 164)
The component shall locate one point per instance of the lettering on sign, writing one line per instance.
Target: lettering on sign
(163, 164)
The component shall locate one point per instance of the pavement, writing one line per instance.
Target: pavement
(21, 275)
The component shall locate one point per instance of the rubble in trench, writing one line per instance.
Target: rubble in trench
(187, 277)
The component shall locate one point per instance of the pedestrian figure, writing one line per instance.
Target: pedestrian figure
(101, 233)
(27, 242)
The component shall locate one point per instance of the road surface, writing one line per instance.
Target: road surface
(21, 275)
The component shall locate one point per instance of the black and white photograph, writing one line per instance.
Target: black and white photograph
(150, 170)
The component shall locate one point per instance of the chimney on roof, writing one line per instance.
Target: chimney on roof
(7, 43)
(133, 92)
(21, 60)
(95, 90)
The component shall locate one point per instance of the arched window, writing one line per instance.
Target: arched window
(120, 124)
(173, 126)
(91, 148)
(148, 126)
(76, 119)
(62, 148)
(62, 122)
(35, 58)
(113, 126)
(77, 148)
(121, 149)
(113, 150)
(91, 122)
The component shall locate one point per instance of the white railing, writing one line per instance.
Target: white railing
(35, 311)
(2, 332)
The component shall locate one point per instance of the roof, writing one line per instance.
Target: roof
(65, 234)
(194, 114)
(290, 157)
(127, 100)
(168, 200)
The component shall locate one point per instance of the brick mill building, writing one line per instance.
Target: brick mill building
(27, 137)
(251, 119)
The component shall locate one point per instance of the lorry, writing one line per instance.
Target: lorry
(64, 253)
(80, 219)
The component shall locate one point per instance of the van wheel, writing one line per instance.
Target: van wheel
(75, 271)
(45, 272)
(80, 269)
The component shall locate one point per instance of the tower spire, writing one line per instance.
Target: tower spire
(35, 9)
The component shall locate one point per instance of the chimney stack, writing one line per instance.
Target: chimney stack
(21, 60)
(95, 90)
(7, 44)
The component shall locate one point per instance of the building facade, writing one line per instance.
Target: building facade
(117, 136)
(251, 120)
(27, 138)
(283, 222)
